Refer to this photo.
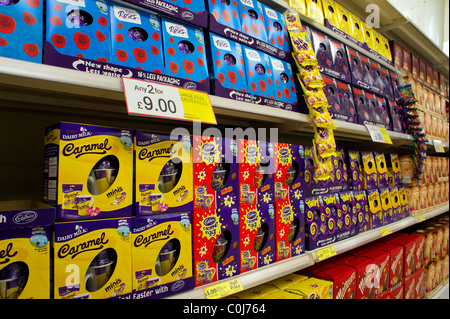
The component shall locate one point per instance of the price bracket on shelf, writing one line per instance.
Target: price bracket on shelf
(145, 98)
(385, 231)
(223, 289)
(438, 147)
(420, 218)
(325, 253)
(378, 134)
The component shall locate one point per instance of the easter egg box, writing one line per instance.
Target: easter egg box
(193, 13)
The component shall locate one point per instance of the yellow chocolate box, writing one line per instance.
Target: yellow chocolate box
(92, 259)
(88, 171)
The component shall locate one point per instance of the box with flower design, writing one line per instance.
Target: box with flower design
(216, 244)
(216, 172)
(257, 236)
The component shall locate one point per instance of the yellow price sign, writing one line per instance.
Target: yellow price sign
(385, 231)
(223, 289)
(420, 218)
(145, 98)
(386, 137)
(325, 253)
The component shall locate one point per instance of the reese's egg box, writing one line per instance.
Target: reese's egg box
(98, 255)
(88, 171)
(163, 173)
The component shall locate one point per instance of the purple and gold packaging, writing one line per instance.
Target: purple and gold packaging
(362, 210)
(21, 29)
(341, 67)
(355, 171)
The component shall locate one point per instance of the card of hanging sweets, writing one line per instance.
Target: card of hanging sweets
(312, 85)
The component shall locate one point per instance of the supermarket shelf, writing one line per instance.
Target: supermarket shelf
(406, 33)
(53, 89)
(442, 293)
(283, 6)
(279, 269)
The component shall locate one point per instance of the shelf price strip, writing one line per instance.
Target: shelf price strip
(385, 231)
(325, 253)
(378, 134)
(223, 289)
(145, 98)
(438, 147)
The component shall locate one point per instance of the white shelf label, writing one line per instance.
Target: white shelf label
(378, 134)
(438, 147)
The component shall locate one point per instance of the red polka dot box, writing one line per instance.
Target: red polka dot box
(21, 29)
(80, 28)
(136, 39)
(184, 51)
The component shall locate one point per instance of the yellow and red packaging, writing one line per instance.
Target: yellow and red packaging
(289, 174)
(381, 261)
(25, 249)
(257, 236)
(215, 243)
(396, 292)
(161, 254)
(344, 281)
(364, 272)
(92, 259)
(163, 173)
(409, 252)
(375, 209)
(395, 261)
(386, 206)
(256, 172)
(289, 229)
(88, 171)
(409, 284)
(423, 198)
(216, 172)
(420, 276)
(420, 243)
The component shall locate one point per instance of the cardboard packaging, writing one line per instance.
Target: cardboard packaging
(25, 249)
(22, 30)
(256, 172)
(370, 174)
(289, 175)
(252, 19)
(350, 213)
(80, 30)
(216, 245)
(136, 39)
(224, 13)
(380, 163)
(257, 236)
(340, 64)
(289, 229)
(375, 208)
(88, 171)
(227, 68)
(313, 288)
(276, 29)
(163, 173)
(385, 199)
(344, 281)
(161, 253)
(216, 173)
(184, 51)
(355, 170)
(395, 203)
(380, 275)
(98, 253)
(362, 210)
(283, 82)
(396, 261)
(259, 73)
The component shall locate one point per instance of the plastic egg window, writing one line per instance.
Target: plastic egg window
(292, 173)
(100, 270)
(229, 59)
(186, 47)
(261, 174)
(225, 2)
(170, 175)
(167, 257)
(260, 69)
(103, 175)
(330, 8)
(13, 279)
(261, 237)
(80, 18)
(220, 176)
(252, 14)
(222, 246)
(8, 2)
(294, 229)
(137, 34)
(277, 26)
